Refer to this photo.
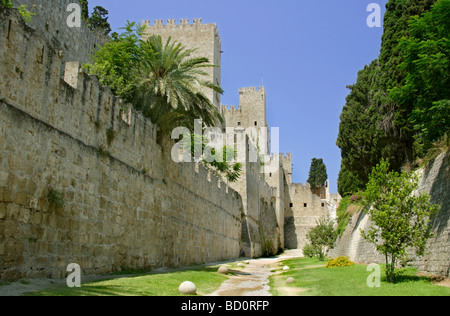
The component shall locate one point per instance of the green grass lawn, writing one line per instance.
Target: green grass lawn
(349, 281)
(312, 279)
(207, 280)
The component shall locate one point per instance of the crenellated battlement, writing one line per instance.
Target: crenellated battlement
(231, 108)
(172, 23)
(252, 89)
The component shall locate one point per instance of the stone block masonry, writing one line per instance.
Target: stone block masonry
(121, 201)
(304, 210)
(74, 43)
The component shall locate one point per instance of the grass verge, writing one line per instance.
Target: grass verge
(314, 280)
(207, 280)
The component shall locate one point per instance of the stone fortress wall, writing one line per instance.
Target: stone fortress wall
(51, 18)
(127, 205)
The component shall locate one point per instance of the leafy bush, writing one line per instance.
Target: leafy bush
(309, 251)
(340, 262)
(348, 207)
(320, 237)
(356, 198)
(22, 9)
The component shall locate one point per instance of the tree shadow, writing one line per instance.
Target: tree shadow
(407, 275)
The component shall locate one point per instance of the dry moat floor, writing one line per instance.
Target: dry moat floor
(258, 277)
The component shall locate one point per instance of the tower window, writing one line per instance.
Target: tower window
(305, 204)
(292, 205)
(323, 204)
(239, 123)
(256, 123)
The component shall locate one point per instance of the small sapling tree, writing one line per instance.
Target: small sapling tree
(400, 216)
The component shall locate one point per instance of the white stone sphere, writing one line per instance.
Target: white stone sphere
(188, 288)
(223, 270)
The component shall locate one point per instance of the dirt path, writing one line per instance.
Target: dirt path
(253, 279)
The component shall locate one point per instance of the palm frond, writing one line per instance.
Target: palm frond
(170, 86)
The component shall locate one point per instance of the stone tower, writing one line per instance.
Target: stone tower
(202, 37)
(251, 113)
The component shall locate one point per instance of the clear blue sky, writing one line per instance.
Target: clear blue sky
(307, 52)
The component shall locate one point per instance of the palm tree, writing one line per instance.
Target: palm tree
(169, 86)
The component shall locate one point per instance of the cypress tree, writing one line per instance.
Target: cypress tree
(317, 174)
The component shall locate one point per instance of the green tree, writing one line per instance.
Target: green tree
(224, 167)
(400, 216)
(98, 21)
(426, 63)
(399, 141)
(375, 124)
(84, 9)
(320, 238)
(360, 132)
(317, 173)
(116, 62)
(348, 182)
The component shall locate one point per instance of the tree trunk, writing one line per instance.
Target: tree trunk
(390, 268)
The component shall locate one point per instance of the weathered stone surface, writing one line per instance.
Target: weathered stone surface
(306, 209)
(114, 215)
